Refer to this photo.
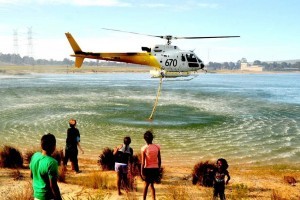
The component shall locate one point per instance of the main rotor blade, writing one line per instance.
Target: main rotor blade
(170, 37)
(204, 37)
(109, 29)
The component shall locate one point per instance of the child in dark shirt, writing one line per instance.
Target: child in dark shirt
(123, 157)
(219, 178)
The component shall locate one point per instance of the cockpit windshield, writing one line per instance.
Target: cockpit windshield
(191, 57)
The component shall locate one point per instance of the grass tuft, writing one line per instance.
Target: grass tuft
(239, 191)
(276, 196)
(179, 191)
(202, 173)
(106, 159)
(10, 157)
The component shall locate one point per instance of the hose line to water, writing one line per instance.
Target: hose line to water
(157, 96)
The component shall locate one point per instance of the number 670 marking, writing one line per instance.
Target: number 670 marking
(171, 62)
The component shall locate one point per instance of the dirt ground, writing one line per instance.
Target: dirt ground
(247, 182)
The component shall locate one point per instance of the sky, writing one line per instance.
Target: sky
(268, 29)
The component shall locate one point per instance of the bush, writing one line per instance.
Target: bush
(203, 174)
(136, 164)
(10, 157)
(62, 174)
(28, 154)
(58, 155)
(106, 159)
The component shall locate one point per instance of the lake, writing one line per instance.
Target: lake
(245, 118)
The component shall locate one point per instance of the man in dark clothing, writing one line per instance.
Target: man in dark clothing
(72, 142)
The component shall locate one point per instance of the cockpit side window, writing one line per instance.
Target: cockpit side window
(182, 58)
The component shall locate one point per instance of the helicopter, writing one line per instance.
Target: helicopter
(167, 61)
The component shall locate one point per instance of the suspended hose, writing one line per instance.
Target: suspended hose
(156, 101)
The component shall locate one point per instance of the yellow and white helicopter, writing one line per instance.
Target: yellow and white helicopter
(167, 61)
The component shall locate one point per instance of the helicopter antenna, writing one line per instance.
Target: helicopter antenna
(170, 37)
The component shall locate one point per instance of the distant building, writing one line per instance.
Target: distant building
(253, 68)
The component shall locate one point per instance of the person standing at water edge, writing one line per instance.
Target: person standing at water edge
(151, 163)
(219, 178)
(44, 171)
(72, 142)
(123, 157)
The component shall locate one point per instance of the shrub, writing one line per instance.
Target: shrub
(106, 159)
(62, 174)
(203, 174)
(136, 164)
(28, 154)
(58, 155)
(10, 157)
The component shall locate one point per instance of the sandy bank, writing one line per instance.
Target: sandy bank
(247, 181)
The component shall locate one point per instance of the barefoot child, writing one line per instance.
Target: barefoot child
(219, 178)
(151, 163)
(123, 156)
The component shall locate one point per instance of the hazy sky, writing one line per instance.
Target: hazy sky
(269, 29)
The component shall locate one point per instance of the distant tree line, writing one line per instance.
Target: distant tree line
(16, 59)
(267, 66)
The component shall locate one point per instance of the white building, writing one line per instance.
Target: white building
(253, 68)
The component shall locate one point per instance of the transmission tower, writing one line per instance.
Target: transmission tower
(16, 42)
(16, 46)
(30, 44)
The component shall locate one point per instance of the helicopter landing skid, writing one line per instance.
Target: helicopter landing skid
(182, 78)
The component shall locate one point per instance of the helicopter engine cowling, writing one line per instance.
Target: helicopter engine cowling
(147, 49)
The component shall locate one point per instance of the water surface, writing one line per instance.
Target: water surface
(245, 118)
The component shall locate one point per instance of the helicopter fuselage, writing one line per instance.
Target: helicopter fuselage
(172, 59)
(166, 60)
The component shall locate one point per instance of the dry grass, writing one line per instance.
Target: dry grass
(19, 70)
(22, 193)
(179, 191)
(247, 182)
(94, 180)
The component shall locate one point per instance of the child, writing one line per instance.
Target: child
(44, 170)
(151, 163)
(219, 178)
(123, 156)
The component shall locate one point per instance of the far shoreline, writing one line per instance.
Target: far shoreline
(26, 69)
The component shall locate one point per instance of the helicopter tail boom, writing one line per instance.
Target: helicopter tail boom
(141, 58)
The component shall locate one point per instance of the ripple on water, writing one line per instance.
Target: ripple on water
(242, 118)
